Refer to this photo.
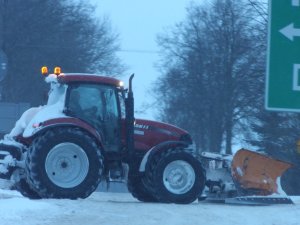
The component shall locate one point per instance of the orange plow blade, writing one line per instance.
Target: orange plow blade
(257, 174)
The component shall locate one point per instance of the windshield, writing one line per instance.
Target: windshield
(90, 101)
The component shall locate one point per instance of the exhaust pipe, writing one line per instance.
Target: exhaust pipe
(130, 119)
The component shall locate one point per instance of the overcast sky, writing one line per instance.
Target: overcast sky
(138, 22)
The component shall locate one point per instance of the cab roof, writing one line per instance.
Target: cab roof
(66, 78)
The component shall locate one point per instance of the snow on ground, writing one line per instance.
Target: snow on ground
(120, 208)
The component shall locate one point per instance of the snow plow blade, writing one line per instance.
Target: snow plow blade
(257, 178)
(258, 200)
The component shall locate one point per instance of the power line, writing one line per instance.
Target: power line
(139, 51)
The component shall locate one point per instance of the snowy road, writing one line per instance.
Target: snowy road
(120, 208)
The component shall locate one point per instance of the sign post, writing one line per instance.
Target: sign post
(283, 69)
(3, 65)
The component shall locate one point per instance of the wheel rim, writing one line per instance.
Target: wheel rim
(67, 165)
(179, 177)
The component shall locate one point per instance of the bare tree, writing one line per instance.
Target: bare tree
(53, 33)
(212, 75)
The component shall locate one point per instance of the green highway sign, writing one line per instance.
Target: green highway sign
(283, 69)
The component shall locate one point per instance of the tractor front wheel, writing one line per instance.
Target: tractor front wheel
(138, 190)
(175, 176)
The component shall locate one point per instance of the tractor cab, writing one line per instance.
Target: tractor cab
(98, 105)
(95, 100)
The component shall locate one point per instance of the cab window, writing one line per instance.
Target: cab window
(98, 106)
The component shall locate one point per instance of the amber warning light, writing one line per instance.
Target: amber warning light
(57, 70)
(44, 70)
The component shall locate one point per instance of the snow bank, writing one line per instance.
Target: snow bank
(121, 208)
(18, 210)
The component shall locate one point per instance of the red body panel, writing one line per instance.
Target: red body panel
(146, 133)
(150, 133)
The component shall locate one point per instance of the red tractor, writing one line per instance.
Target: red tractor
(87, 133)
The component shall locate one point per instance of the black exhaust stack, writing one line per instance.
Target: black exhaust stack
(130, 119)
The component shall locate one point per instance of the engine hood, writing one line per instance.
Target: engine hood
(149, 133)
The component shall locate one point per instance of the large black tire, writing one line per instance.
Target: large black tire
(23, 187)
(175, 176)
(64, 163)
(138, 190)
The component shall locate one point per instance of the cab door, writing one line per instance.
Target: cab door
(111, 119)
(97, 105)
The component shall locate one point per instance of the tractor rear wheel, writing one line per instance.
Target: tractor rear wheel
(175, 176)
(64, 163)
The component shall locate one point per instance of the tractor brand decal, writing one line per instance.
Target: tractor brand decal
(141, 126)
(139, 132)
(138, 129)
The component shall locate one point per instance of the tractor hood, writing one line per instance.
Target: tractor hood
(149, 133)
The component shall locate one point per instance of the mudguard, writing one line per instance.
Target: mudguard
(68, 121)
(257, 174)
(155, 149)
